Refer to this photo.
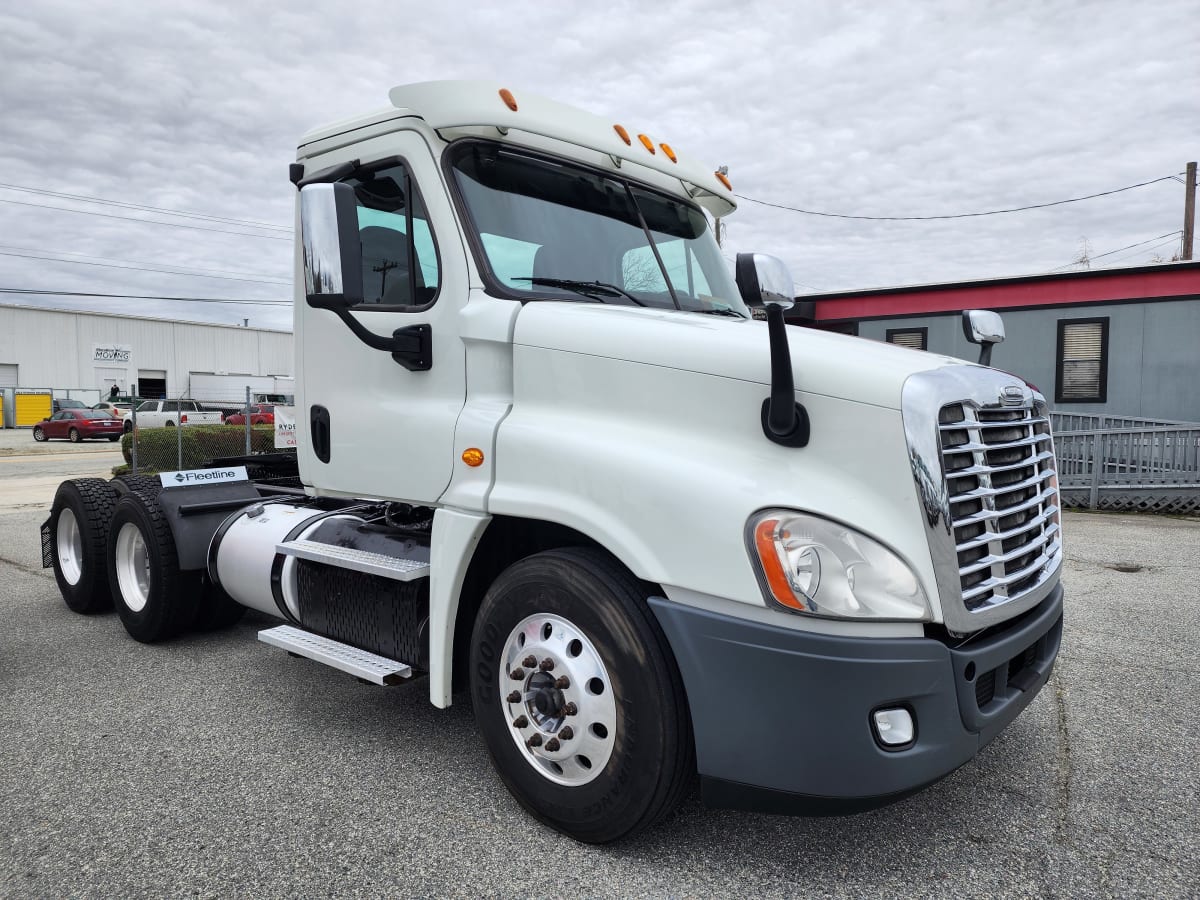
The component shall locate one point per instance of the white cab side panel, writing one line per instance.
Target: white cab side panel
(455, 536)
(663, 467)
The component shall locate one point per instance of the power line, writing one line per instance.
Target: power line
(1173, 240)
(92, 212)
(138, 266)
(1119, 249)
(32, 291)
(157, 209)
(990, 212)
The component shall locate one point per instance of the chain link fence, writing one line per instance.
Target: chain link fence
(187, 432)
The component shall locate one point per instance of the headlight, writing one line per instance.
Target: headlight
(817, 567)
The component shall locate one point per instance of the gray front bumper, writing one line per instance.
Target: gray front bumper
(783, 718)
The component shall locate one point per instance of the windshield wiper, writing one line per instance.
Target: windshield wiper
(596, 289)
(719, 311)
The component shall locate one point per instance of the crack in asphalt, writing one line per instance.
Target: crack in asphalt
(1063, 764)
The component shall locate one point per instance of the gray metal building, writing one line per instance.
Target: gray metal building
(1120, 342)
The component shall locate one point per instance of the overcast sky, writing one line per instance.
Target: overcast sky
(870, 108)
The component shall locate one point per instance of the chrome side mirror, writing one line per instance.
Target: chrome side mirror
(984, 327)
(764, 281)
(330, 246)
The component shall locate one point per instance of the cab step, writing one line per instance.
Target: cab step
(368, 666)
(358, 560)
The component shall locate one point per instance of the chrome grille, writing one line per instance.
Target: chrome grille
(1003, 499)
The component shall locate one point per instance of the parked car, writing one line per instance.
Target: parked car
(120, 410)
(77, 425)
(169, 413)
(67, 403)
(260, 414)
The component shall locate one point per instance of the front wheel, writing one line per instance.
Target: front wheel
(153, 598)
(73, 436)
(114, 438)
(38, 434)
(578, 697)
(128, 427)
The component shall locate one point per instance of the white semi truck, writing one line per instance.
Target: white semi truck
(547, 457)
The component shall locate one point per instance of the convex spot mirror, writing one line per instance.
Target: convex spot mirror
(764, 280)
(330, 245)
(982, 326)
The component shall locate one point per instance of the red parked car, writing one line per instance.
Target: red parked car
(261, 414)
(78, 424)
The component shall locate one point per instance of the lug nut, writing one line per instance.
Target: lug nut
(535, 741)
(547, 664)
(514, 697)
(562, 683)
(552, 745)
(570, 709)
(517, 674)
(530, 661)
(520, 722)
(566, 732)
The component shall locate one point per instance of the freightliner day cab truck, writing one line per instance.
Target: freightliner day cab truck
(547, 456)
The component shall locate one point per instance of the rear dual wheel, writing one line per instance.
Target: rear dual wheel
(578, 697)
(79, 525)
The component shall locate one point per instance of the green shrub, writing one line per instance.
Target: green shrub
(159, 448)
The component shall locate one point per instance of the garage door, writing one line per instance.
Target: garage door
(29, 408)
(8, 375)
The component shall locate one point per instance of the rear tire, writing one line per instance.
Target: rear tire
(612, 680)
(150, 484)
(115, 437)
(128, 427)
(73, 436)
(79, 523)
(154, 599)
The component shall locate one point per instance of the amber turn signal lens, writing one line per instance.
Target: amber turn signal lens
(473, 457)
(666, 148)
(509, 100)
(777, 580)
(724, 180)
(622, 134)
(646, 142)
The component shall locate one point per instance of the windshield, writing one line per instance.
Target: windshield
(550, 229)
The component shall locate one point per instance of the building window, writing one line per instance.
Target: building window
(912, 338)
(1081, 374)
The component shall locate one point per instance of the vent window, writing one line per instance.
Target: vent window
(1082, 371)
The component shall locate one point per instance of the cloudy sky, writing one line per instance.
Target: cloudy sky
(855, 108)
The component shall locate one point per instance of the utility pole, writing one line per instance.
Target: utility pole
(1189, 210)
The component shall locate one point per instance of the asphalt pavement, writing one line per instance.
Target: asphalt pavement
(216, 766)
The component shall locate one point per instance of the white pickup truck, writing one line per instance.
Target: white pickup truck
(169, 413)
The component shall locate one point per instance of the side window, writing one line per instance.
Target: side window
(148, 406)
(912, 338)
(400, 262)
(1081, 374)
(171, 406)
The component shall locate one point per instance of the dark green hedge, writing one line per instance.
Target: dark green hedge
(158, 448)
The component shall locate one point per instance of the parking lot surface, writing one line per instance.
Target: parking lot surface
(217, 766)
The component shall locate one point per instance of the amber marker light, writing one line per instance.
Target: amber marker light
(777, 580)
(647, 143)
(473, 457)
(623, 134)
(723, 178)
(666, 148)
(510, 102)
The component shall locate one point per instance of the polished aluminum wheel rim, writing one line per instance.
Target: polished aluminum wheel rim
(132, 564)
(70, 547)
(557, 698)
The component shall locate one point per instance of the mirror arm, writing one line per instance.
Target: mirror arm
(784, 421)
(985, 354)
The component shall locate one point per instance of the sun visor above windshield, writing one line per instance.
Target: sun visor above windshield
(467, 105)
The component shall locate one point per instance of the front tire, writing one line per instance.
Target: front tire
(154, 599)
(578, 697)
(38, 434)
(79, 523)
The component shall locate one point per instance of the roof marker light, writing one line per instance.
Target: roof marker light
(509, 100)
(647, 143)
(724, 179)
(666, 148)
(622, 134)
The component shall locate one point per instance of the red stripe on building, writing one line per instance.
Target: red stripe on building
(1172, 280)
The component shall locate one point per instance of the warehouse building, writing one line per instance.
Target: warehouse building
(50, 353)
(1123, 342)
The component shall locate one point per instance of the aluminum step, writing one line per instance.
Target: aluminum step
(359, 560)
(359, 663)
